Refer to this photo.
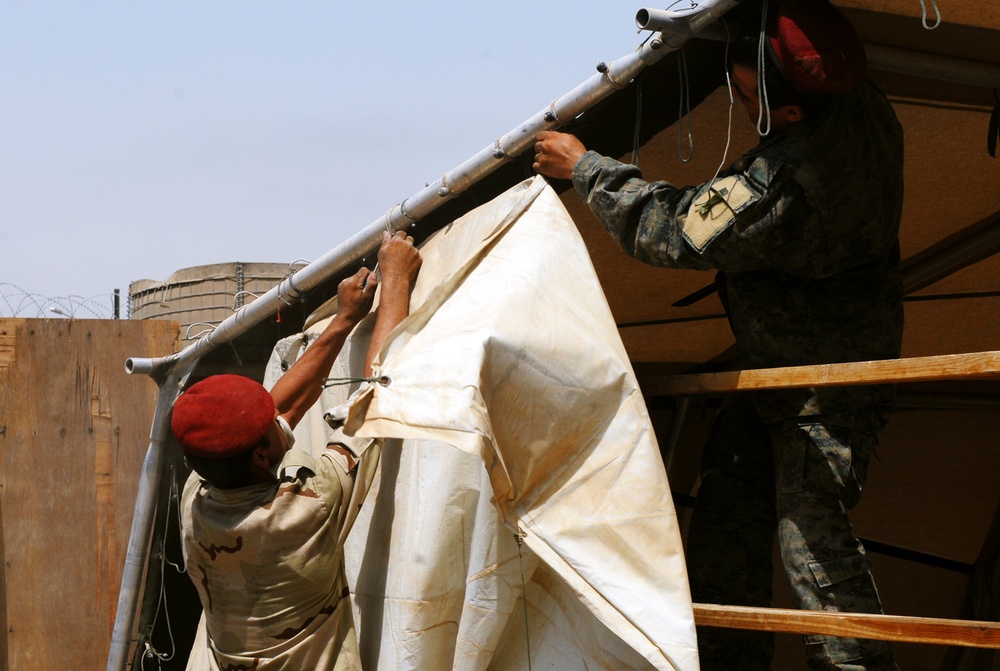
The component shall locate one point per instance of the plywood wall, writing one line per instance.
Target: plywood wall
(74, 428)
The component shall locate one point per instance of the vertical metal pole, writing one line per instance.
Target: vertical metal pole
(137, 555)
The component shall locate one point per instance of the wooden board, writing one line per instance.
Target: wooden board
(977, 365)
(74, 428)
(927, 630)
(7, 341)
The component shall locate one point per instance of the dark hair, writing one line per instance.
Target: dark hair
(228, 472)
(780, 92)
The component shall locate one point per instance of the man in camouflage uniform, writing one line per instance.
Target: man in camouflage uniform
(804, 232)
(263, 524)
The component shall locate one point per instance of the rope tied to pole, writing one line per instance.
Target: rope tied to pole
(383, 380)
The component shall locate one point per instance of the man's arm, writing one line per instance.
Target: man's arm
(639, 215)
(300, 387)
(399, 262)
(779, 226)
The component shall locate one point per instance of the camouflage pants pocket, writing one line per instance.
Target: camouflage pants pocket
(847, 586)
(844, 584)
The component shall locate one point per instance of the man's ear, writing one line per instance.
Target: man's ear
(795, 113)
(259, 457)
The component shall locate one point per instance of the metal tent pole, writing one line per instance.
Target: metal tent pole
(171, 370)
(932, 66)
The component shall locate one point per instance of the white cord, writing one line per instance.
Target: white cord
(762, 105)
(208, 329)
(237, 303)
(684, 96)
(729, 125)
(729, 135)
(634, 160)
(923, 15)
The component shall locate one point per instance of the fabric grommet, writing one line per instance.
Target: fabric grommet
(385, 380)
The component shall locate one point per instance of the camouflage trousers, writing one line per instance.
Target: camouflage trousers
(798, 480)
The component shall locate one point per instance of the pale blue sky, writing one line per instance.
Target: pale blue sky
(138, 138)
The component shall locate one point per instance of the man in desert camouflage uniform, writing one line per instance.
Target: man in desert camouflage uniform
(263, 524)
(804, 232)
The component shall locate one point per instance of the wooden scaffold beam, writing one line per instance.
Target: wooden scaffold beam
(933, 631)
(978, 365)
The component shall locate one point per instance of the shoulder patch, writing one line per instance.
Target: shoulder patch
(713, 210)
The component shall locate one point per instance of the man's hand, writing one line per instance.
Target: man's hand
(398, 260)
(356, 294)
(556, 154)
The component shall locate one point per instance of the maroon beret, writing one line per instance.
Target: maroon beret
(816, 47)
(222, 416)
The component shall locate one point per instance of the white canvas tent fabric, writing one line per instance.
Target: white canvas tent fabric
(516, 410)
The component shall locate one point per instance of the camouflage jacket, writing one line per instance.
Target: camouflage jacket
(804, 229)
(268, 563)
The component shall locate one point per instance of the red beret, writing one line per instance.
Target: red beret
(816, 47)
(222, 416)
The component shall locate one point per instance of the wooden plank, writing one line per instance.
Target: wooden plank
(977, 365)
(3, 574)
(8, 341)
(76, 431)
(933, 631)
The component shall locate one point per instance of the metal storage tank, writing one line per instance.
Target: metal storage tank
(201, 297)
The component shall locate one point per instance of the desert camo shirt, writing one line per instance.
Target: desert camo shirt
(804, 231)
(268, 563)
